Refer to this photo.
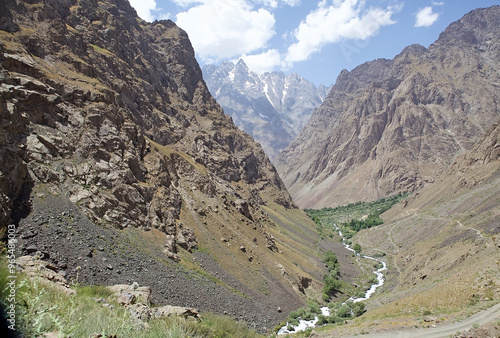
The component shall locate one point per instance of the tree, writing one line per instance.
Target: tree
(356, 247)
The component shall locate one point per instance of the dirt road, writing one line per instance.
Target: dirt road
(480, 318)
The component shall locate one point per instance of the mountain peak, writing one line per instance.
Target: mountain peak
(242, 65)
(271, 107)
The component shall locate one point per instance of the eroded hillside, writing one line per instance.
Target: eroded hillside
(118, 166)
(442, 248)
(394, 125)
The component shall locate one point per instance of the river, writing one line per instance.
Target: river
(305, 324)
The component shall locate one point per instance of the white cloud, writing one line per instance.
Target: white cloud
(144, 8)
(187, 3)
(264, 62)
(425, 17)
(332, 23)
(221, 29)
(277, 3)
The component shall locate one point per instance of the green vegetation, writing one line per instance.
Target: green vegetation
(339, 312)
(42, 309)
(357, 247)
(353, 217)
(349, 219)
(332, 278)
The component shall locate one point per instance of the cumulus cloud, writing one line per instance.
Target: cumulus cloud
(221, 29)
(144, 8)
(333, 22)
(276, 3)
(425, 17)
(263, 62)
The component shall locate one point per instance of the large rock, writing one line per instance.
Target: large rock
(129, 294)
(144, 313)
(45, 272)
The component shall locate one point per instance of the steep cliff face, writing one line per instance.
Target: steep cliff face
(272, 107)
(110, 114)
(392, 125)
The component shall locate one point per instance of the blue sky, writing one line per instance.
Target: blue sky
(316, 39)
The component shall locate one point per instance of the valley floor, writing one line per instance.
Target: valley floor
(483, 324)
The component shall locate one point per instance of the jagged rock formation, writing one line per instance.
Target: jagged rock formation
(92, 118)
(272, 107)
(108, 127)
(393, 125)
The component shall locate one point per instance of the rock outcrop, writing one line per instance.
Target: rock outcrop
(393, 125)
(116, 128)
(45, 272)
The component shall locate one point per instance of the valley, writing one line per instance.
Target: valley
(119, 170)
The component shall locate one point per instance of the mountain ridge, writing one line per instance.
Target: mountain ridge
(392, 125)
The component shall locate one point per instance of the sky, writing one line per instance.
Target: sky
(315, 39)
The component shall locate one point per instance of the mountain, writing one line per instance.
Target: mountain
(271, 107)
(118, 166)
(393, 125)
(442, 248)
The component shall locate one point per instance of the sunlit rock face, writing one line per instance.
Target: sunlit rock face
(393, 125)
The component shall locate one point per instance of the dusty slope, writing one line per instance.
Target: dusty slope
(393, 125)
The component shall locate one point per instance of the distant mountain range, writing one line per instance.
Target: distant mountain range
(272, 107)
(393, 125)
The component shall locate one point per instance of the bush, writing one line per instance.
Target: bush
(314, 308)
(331, 285)
(356, 247)
(308, 316)
(344, 311)
(358, 309)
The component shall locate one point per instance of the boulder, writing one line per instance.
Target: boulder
(170, 311)
(45, 272)
(126, 298)
(140, 294)
(140, 311)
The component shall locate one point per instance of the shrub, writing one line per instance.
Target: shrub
(358, 309)
(356, 247)
(344, 311)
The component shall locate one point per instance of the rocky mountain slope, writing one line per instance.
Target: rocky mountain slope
(442, 245)
(272, 107)
(393, 125)
(117, 165)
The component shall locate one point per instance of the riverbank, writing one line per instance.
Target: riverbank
(311, 323)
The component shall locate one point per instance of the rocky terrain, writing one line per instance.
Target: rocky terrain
(394, 125)
(117, 165)
(272, 107)
(442, 246)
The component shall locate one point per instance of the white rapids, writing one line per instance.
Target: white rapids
(305, 324)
